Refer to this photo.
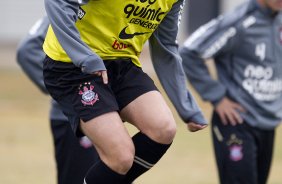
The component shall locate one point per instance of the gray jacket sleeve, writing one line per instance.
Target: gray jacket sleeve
(63, 15)
(167, 64)
(30, 55)
(211, 40)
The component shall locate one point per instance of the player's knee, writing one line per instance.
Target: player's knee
(167, 131)
(123, 161)
(120, 157)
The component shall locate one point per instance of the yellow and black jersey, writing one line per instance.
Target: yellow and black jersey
(113, 29)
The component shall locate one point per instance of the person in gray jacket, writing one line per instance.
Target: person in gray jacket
(73, 155)
(246, 46)
(92, 70)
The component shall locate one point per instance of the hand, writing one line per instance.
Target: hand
(104, 75)
(194, 127)
(228, 111)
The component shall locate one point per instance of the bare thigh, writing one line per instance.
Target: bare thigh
(151, 115)
(111, 139)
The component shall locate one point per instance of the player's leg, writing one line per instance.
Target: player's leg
(142, 105)
(95, 105)
(235, 151)
(114, 146)
(74, 156)
(265, 150)
(150, 114)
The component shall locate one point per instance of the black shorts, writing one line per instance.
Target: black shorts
(84, 96)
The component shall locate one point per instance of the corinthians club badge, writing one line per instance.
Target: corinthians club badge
(236, 153)
(235, 148)
(89, 97)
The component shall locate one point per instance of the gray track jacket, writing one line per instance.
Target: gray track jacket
(30, 57)
(246, 45)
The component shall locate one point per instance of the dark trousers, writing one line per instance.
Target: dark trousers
(74, 156)
(243, 153)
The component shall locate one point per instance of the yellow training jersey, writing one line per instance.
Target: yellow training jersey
(113, 28)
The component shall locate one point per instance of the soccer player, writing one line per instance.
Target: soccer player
(73, 156)
(246, 45)
(92, 70)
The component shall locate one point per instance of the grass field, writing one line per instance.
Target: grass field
(27, 153)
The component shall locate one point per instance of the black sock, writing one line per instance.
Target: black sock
(100, 173)
(147, 154)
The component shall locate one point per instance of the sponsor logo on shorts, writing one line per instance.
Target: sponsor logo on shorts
(89, 97)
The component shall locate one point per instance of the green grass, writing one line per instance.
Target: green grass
(26, 150)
